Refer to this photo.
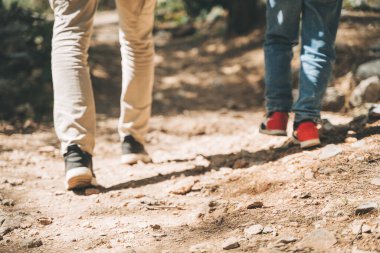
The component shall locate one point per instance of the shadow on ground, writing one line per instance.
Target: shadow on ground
(247, 159)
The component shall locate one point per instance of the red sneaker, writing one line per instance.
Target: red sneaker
(307, 134)
(275, 124)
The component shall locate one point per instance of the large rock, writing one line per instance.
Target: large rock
(368, 91)
(333, 100)
(368, 69)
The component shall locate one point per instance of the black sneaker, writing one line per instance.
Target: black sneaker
(133, 151)
(78, 167)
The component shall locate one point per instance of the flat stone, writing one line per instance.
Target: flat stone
(184, 186)
(319, 239)
(366, 208)
(375, 181)
(330, 151)
(267, 230)
(286, 240)
(230, 243)
(356, 227)
(366, 229)
(309, 174)
(358, 144)
(253, 230)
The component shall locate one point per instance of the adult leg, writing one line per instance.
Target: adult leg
(74, 108)
(137, 51)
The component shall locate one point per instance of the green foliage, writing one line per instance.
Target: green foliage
(25, 75)
(171, 11)
(196, 8)
(35, 5)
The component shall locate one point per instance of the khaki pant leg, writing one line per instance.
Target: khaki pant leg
(74, 108)
(137, 51)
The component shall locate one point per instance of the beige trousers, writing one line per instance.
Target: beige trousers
(74, 107)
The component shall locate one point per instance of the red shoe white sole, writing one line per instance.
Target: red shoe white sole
(273, 132)
(308, 143)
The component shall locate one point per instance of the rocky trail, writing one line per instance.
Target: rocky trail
(215, 184)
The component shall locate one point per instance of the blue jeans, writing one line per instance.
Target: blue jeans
(318, 25)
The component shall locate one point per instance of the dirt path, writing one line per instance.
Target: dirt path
(216, 183)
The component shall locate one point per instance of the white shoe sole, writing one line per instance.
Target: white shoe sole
(273, 132)
(134, 158)
(307, 144)
(79, 178)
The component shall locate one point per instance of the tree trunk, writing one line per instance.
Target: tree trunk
(244, 15)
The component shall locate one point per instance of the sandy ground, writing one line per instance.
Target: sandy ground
(215, 182)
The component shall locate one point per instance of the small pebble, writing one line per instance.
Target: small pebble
(366, 208)
(366, 229)
(45, 221)
(254, 205)
(253, 230)
(16, 182)
(155, 226)
(350, 140)
(8, 202)
(230, 243)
